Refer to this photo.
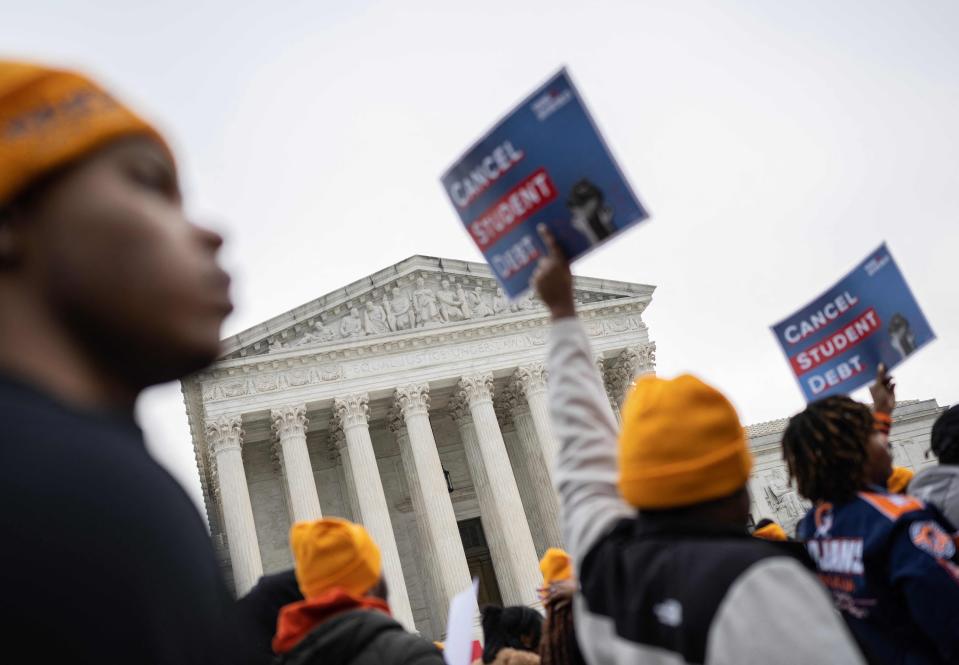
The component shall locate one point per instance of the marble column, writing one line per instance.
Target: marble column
(225, 438)
(342, 456)
(426, 477)
(530, 381)
(547, 501)
(426, 563)
(353, 414)
(289, 426)
(504, 520)
(507, 425)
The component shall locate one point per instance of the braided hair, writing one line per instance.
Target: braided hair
(825, 448)
(945, 437)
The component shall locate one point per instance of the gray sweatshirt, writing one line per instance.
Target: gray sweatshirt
(669, 594)
(939, 486)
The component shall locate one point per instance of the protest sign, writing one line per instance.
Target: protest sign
(458, 648)
(836, 343)
(545, 162)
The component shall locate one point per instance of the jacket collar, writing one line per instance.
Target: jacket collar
(298, 619)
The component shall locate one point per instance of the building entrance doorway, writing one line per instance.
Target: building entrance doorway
(479, 561)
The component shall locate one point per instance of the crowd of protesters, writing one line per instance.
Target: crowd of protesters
(106, 288)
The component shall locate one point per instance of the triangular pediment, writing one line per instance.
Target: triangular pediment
(419, 293)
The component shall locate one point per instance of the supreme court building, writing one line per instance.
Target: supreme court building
(413, 401)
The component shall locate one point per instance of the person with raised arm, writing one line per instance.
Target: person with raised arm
(655, 519)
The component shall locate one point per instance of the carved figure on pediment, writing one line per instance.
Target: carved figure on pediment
(275, 345)
(451, 307)
(399, 310)
(424, 303)
(479, 307)
(375, 319)
(322, 332)
(352, 325)
(783, 497)
(464, 302)
(525, 303)
(500, 302)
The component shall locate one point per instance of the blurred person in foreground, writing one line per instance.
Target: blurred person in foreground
(888, 559)
(344, 617)
(259, 610)
(656, 525)
(939, 485)
(511, 635)
(106, 288)
(558, 645)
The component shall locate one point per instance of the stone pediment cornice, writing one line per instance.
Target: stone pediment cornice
(327, 358)
(421, 298)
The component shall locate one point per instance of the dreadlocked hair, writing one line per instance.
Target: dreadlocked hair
(825, 448)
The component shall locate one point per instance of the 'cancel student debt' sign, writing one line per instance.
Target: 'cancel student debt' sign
(545, 162)
(836, 343)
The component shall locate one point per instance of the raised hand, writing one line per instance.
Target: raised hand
(883, 391)
(553, 280)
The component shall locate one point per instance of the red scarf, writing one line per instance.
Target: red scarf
(296, 620)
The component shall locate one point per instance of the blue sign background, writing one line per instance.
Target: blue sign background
(568, 145)
(878, 284)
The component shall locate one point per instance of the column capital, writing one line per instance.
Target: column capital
(413, 399)
(289, 421)
(530, 379)
(459, 408)
(631, 362)
(337, 439)
(352, 410)
(505, 403)
(476, 387)
(395, 420)
(224, 433)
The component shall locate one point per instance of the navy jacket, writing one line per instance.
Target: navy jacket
(890, 564)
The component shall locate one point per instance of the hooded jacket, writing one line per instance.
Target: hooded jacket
(339, 628)
(658, 591)
(939, 487)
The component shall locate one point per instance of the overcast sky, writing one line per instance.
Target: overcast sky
(775, 145)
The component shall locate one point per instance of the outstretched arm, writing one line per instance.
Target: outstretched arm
(586, 470)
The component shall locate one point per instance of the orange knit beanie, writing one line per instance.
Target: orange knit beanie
(681, 443)
(51, 117)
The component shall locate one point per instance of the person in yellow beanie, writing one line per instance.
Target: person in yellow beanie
(106, 288)
(344, 617)
(655, 515)
(558, 645)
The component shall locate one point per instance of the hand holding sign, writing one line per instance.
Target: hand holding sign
(545, 162)
(870, 317)
(883, 391)
(553, 280)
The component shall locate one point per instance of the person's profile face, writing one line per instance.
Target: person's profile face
(124, 266)
(878, 459)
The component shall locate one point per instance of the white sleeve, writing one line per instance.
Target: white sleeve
(583, 421)
(777, 613)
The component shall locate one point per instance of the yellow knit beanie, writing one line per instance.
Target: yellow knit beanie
(681, 443)
(556, 566)
(51, 117)
(333, 552)
(899, 479)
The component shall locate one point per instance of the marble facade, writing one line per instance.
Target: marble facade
(414, 401)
